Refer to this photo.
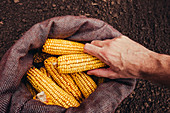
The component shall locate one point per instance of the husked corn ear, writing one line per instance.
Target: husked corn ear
(78, 63)
(42, 83)
(100, 80)
(62, 47)
(84, 82)
(30, 88)
(42, 69)
(63, 80)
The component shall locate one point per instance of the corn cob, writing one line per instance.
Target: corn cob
(30, 88)
(42, 83)
(42, 69)
(84, 82)
(78, 63)
(63, 80)
(62, 47)
(100, 80)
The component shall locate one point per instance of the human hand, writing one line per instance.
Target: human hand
(126, 58)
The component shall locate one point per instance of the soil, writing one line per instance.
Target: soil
(145, 21)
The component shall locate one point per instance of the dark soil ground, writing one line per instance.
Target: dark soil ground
(145, 21)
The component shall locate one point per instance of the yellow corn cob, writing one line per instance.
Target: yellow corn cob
(58, 96)
(62, 47)
(30, 88)
(100, 80)
(63, 80)
(78, 63)
(84, 82)
(42, 69)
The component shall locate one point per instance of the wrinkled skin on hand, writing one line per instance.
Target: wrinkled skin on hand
(126, 58)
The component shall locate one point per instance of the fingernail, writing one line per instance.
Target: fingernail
(86, 47)
(89, 73)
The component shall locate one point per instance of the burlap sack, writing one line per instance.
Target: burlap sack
(14, 96)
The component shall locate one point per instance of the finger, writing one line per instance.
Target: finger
(108, 73)
(98, 43)
(92, 49)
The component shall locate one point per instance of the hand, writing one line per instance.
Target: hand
(126, 58)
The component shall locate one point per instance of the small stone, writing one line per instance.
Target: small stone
(16, 1)
(118, 111)
(61, 7)
(118, 1)
(94, 3)
(146, 104)
(40, 10)
(149, 100)
(121, 13)
(87, 14)
(23, 20)
(112, 3)
(149, 11)
(53, 5)
(1, 23)
(115, 15)
(131, 96)
(142, 108)
(133, 92)
(20, 3)
(68, 6)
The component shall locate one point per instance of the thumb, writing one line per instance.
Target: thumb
(107, 73)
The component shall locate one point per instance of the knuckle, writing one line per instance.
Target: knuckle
(110, 43)
(92, 42)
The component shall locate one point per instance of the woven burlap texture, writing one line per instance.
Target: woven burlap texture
(14, 96)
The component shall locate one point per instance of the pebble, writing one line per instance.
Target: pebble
(118, 111)
(23, 20)
(53, 5)
(115, 15)
(16, 1)
(87, 14)
(149, 100)
(118, 1)
(61, 7)
(20, 3)
(68, 6)
(94, 3)
(112, 3)
(1, 23)
(146, 104)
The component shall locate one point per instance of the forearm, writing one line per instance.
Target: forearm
(158, 69)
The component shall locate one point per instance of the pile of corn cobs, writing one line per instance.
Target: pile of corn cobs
(62, 81)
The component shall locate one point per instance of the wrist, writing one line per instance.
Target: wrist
(157, 67)
(149, 68)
